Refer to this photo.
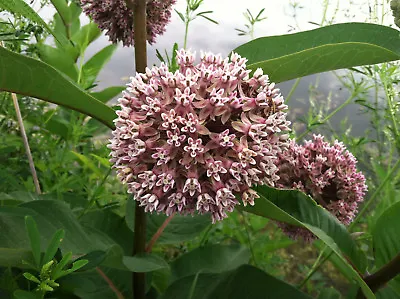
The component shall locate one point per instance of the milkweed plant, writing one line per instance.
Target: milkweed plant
(175, 189)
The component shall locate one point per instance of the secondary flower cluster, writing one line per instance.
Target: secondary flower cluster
(328, 174)
(116, 18)
(191, 140)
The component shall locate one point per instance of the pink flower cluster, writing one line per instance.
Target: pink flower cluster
(328, 174)
(194, 139)
(116, 18)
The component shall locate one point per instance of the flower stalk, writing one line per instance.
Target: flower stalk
(139, 246)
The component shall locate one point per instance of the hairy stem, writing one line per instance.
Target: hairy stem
(158, 233)
(139, 245)
(382, 276)
(26, 144)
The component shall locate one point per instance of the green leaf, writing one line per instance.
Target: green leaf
(50, 216)
(180, 229)
(63, 10)
(85, 36)
(58, 270)
(93, 66)
(53, 246)
(108, 94)
(210, 259)
(296, 208)
(79, 264)
(328, 48)
(94, 258)
(386, 235)
(28, 76)
(144, 262)
(329, 293)
(88, 163)
(20, 294)
(31, 277)
(14, 257)
(244, 282)
(386, 239)
(34, 238)
(19, 7)
(59, 60)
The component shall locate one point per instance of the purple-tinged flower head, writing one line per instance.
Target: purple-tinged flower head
(328, 174)
(193, 140)
(114, 17)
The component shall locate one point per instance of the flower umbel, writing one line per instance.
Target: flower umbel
(213, 133)
(328, 174)
(114, 17)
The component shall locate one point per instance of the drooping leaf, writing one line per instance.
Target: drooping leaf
(94, 65)
(296, 208)
(28, 76)
(328, 48)
(213, 258)
(244, 282)
(144, 262)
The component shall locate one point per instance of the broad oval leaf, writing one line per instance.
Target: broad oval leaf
(386, 241)
(244, 282)
(386, 235)
(328, 48)
(50, 216)
(27, 76)
(296, 208)
(213, 258)
(180, 229)
(144, 262)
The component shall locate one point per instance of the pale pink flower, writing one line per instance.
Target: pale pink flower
(114, 17)
(195, 140)
(328, 174)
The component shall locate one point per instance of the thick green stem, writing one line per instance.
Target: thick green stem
(186, 32)
(139, 246)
